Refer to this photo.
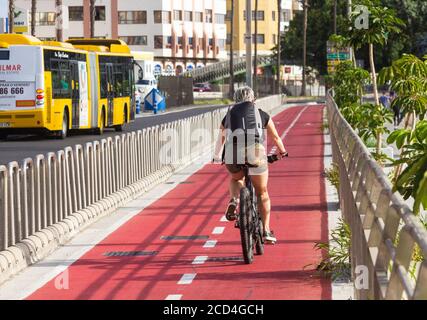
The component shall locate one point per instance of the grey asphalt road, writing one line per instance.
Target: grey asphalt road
(17, 148)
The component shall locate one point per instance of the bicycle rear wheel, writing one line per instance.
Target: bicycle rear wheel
(245, 221)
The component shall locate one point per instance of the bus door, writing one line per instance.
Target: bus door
(110, 93)
(75, 93)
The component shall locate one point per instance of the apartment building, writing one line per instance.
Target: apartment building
(182, 34)
(289, 8)
(266, 16)
(267, 23)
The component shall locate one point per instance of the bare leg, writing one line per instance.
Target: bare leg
(236, 184)
(260, 184)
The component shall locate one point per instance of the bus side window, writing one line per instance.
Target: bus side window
(60, 79)
(103, 80)
(118, 80)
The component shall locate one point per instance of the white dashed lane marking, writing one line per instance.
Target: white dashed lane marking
(218, 230)
(187, 278)
(174, 297)
(210, 244)
(200, 260)
(223, 219)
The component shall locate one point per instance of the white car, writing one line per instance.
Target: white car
(144, 86)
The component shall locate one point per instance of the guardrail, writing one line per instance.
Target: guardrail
(46, 201)
(384, 230)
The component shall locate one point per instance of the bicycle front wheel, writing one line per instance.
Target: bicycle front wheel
(245, 222)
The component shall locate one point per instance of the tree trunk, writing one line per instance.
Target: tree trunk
(92, 18)
(231, 90)
(304, 68)
(335, 17)
(59, 21)
(11, 15)
(375, 89)
(33, 17)
(255, 86)
(279, 19)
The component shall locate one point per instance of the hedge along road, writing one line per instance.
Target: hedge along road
(17, 148)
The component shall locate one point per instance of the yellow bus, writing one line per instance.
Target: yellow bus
(53, 87)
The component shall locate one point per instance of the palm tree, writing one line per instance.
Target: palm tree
(382, 22)
(231, 92)
(92, 18)
(255, 87)
(33, 17)
(59, 33)
(279, 19)
(11, 15)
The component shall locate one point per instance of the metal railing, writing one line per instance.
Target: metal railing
(384, 231)
(63, 191)
(221, 69)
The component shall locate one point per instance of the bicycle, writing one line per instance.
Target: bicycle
(249, 220)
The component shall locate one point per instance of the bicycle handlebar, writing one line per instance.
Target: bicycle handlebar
(275, 157)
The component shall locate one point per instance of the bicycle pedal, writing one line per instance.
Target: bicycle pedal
(270, 242)
(236, 224)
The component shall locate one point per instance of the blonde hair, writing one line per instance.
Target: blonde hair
(244, 94)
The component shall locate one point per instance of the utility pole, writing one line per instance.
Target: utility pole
(231, 91)
(304, 68)
(335, 16)
(59, 21)
(279, 10)
(248, 37)
(255, 85)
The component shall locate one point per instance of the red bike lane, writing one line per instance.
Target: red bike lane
(207, 263)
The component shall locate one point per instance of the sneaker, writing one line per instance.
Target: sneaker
(269, 237)
(230, 213)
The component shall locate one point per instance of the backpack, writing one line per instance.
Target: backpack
(259, 129)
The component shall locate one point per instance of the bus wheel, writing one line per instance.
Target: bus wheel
(100, 130)
(62, 134)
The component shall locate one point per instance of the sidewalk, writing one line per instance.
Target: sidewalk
(209, 265)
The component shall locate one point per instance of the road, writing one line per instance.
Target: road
(205, 262)
(17, 148)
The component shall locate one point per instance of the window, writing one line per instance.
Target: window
(286, 15)
(162, 16)
(179, 42)
(220, 18)
(75, 13)
(198, 16)
(158, 42)
(260, 39)
(100, 13)
(135, 40)
(228, 16)
(188, 16)
(260, 15)
(274, 15)
(45, 18)
(221, 44)
(162, 42)
(60, 79)
(208, 14)
(177, 15)
(228, 38)
(132, 17)
(190, 42)
(274, 38)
